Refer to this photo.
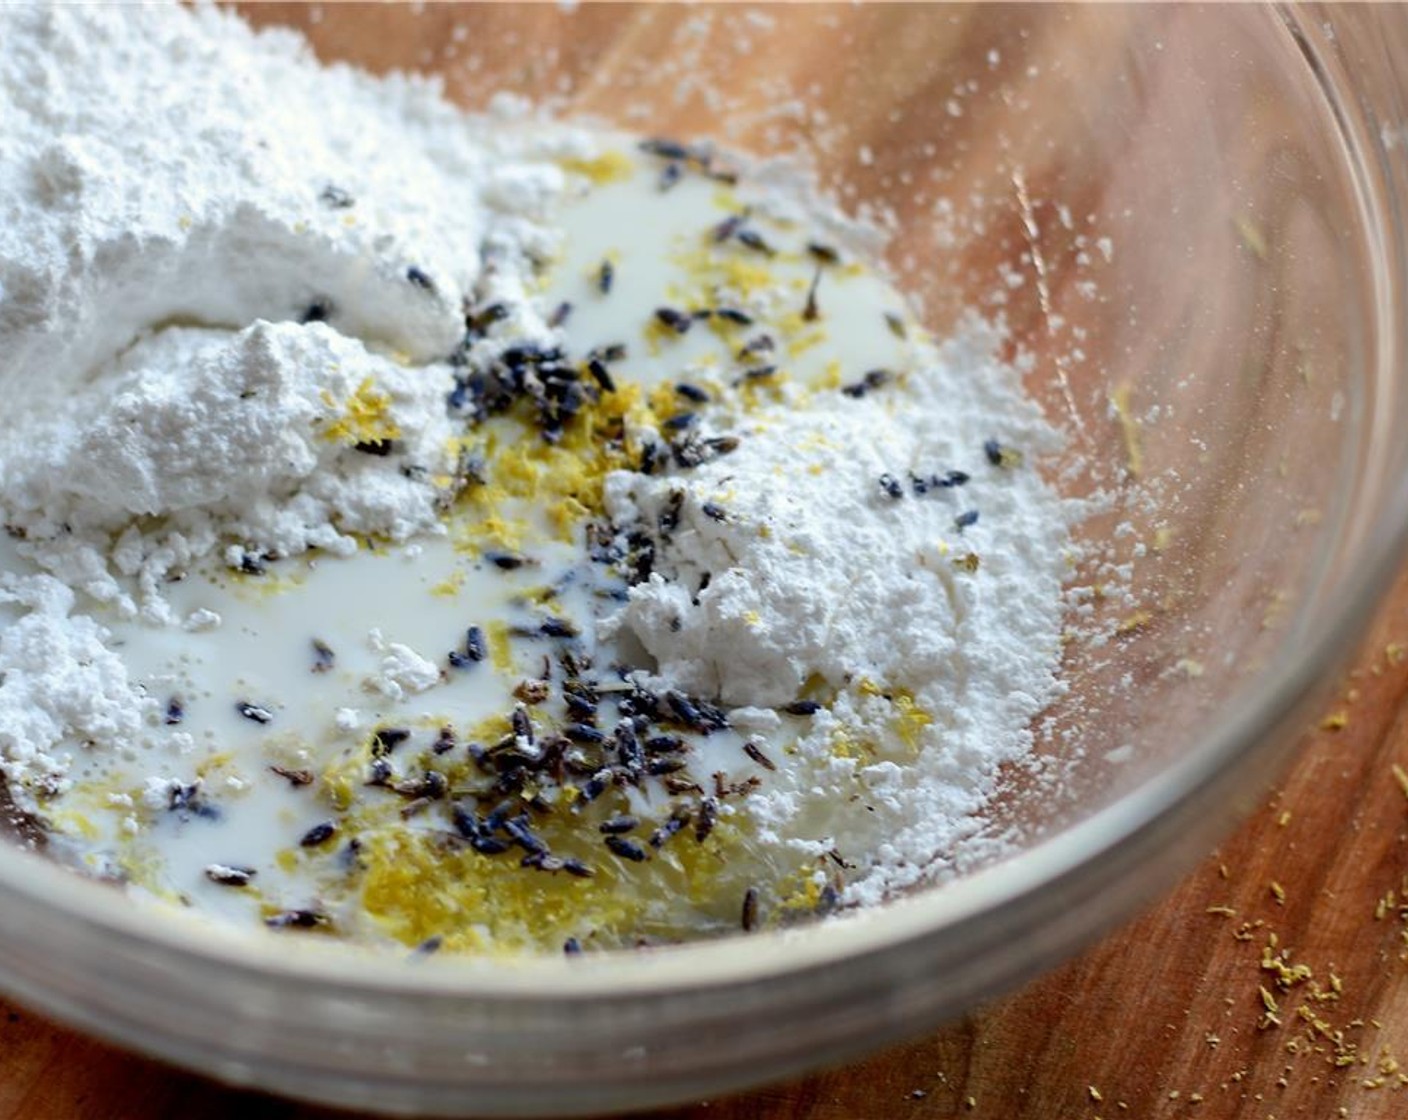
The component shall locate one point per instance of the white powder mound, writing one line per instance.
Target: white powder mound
(60, 682)
(163, 169)
(815, 574)
(276, 393)
(132, 194)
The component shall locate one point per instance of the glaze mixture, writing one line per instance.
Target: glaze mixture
(478, 533)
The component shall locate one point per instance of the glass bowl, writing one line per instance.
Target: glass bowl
(1191, 220)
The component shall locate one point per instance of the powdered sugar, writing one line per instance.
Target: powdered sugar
(794, 570)
(60, 682)
(402, 671)
(228, 437)
(816, 569)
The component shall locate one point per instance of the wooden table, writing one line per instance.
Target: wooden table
(1273, 983)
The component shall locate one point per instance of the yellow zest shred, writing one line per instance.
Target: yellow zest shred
(365, 416)
(1129, 429)
(609, 167)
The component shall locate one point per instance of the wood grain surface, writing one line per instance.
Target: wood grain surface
(1272, 983)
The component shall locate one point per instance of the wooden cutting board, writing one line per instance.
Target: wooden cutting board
(1272, 983)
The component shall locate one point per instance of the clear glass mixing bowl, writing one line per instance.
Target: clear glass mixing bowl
(1192, 219)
